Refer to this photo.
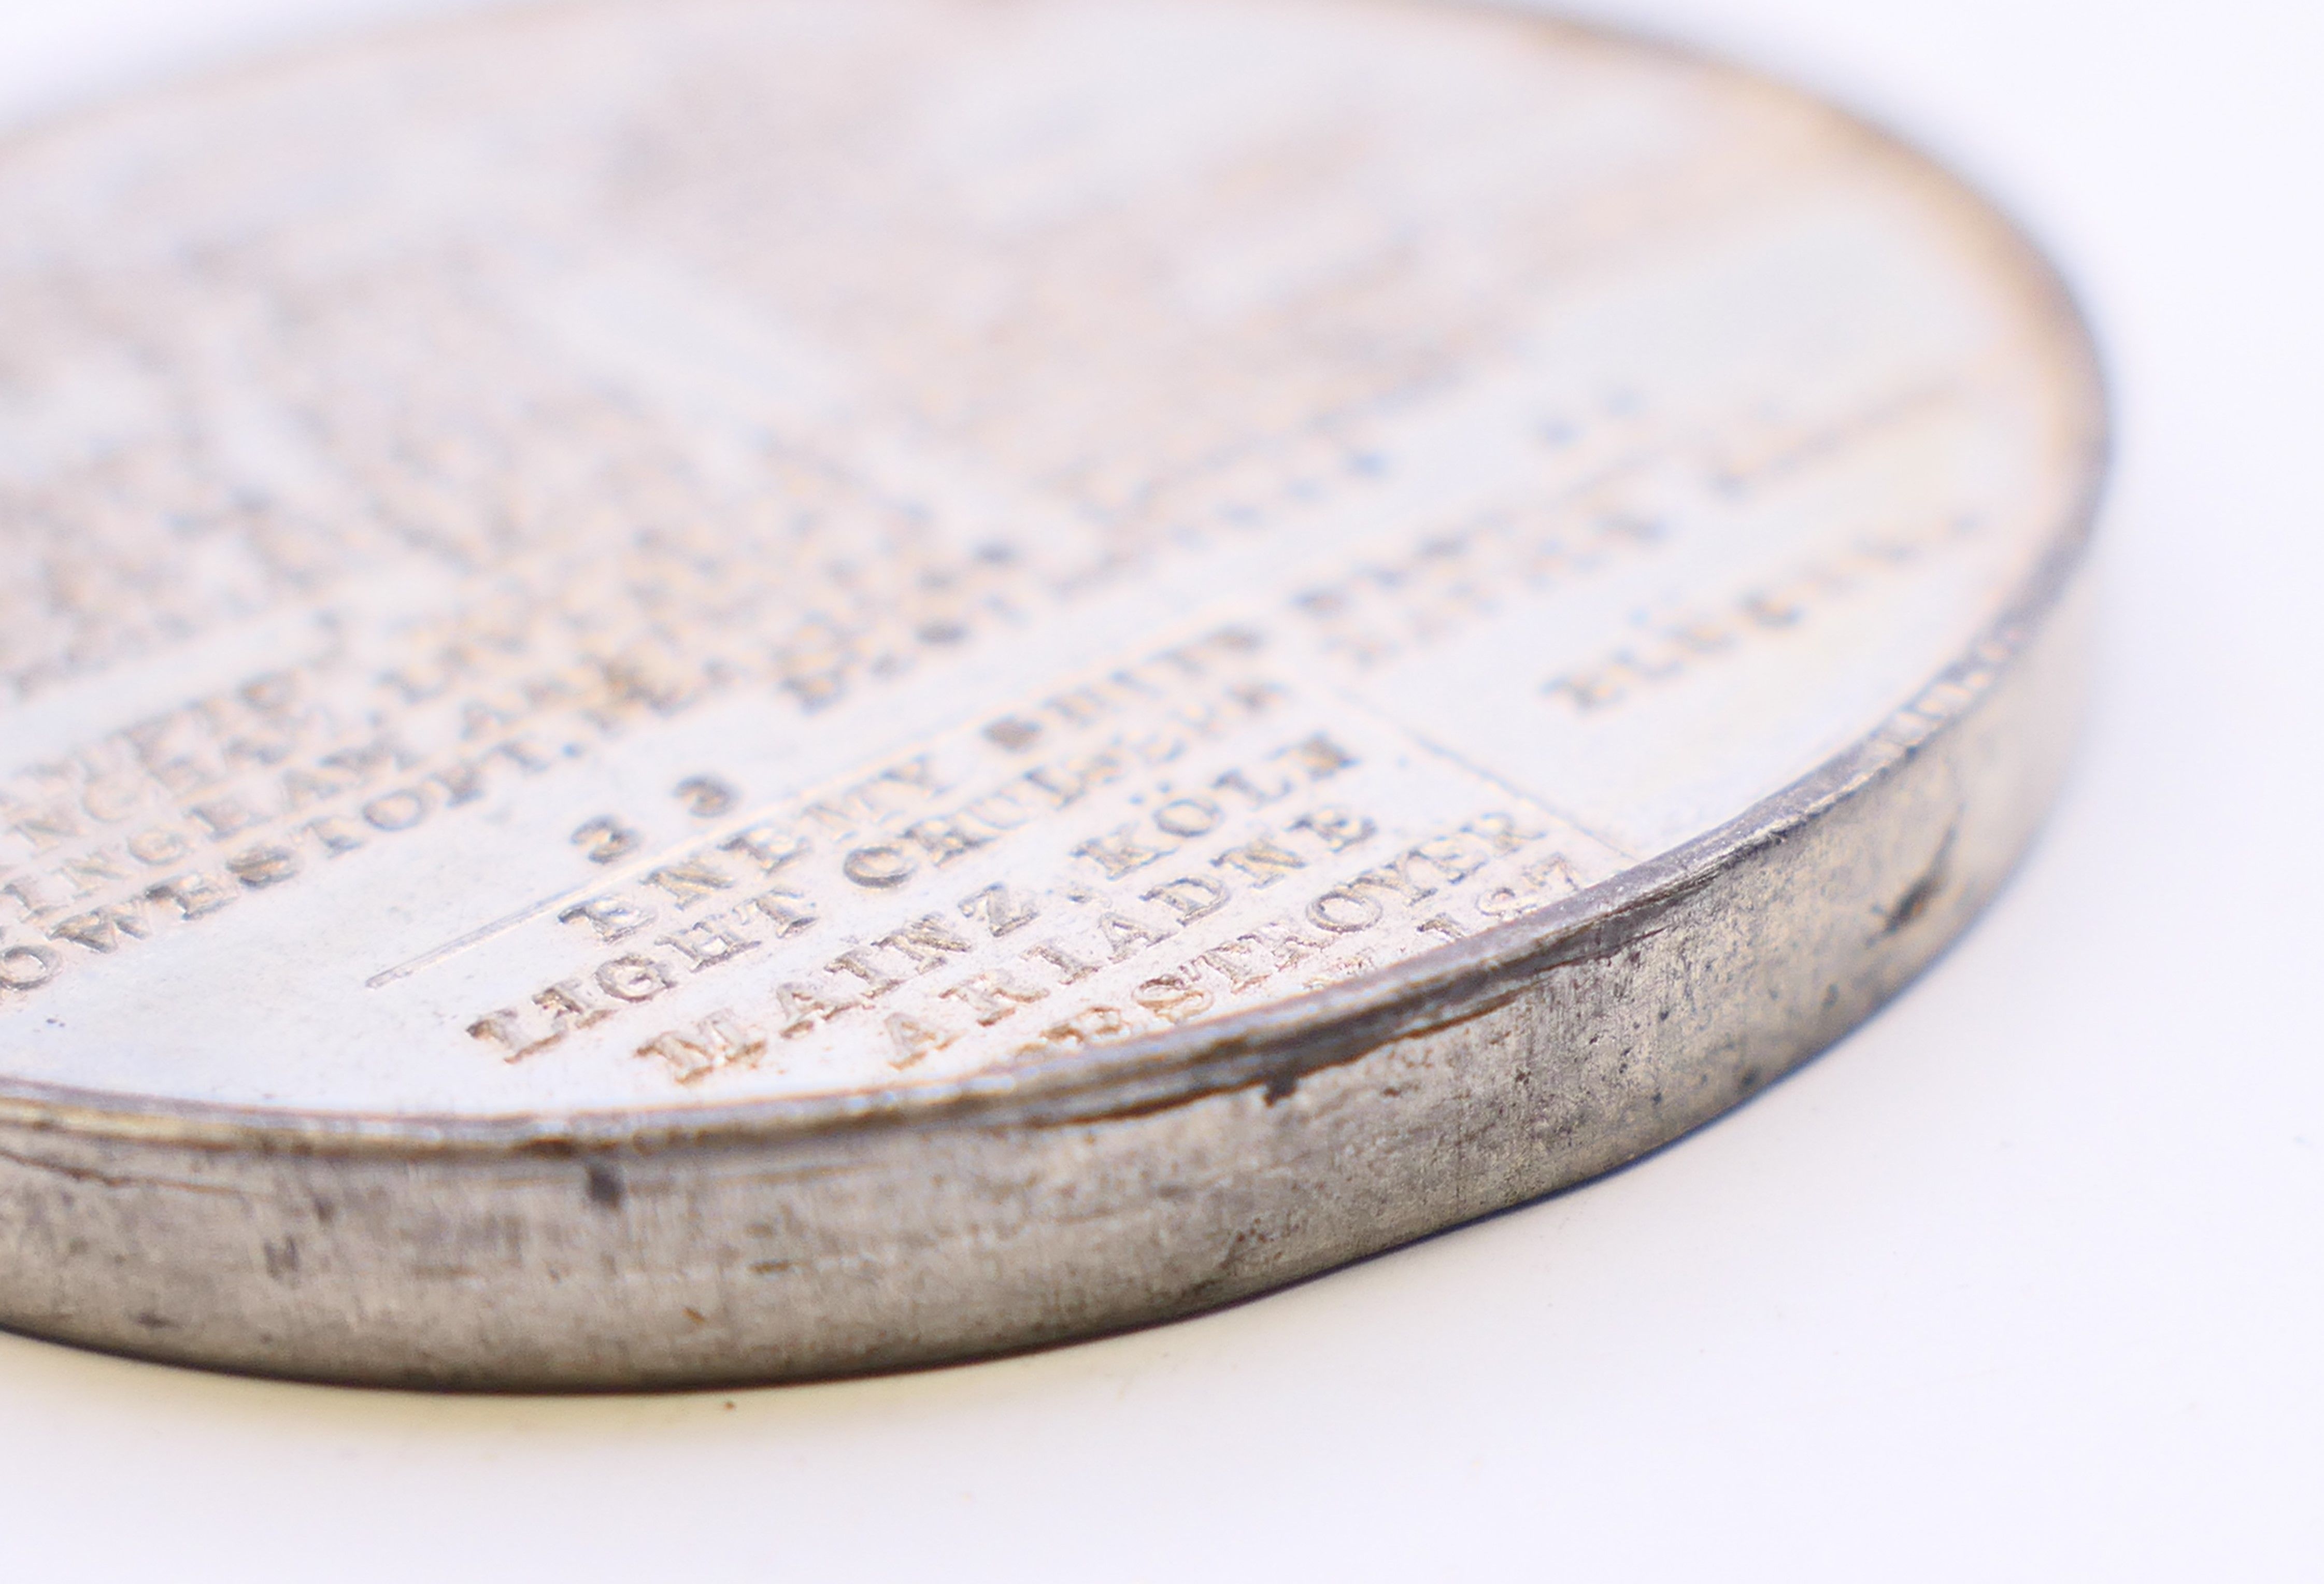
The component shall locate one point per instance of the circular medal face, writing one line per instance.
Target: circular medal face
(813, 629)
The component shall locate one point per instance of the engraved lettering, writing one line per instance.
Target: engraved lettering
(365, 763)
(804, 1007)
(413, 688)
(1541, 883)
(1283, 941)
(567, 1010)
(879, 867)
(1001, 909)
(337, 836)
(1319, 756)
(1258, 797)
(634, 979)
(705, 797)
(766, 846)
(1081, 707)
(1452, 858)
(462, 783)
(1255, 697)
(1071, 969)
(693, 1055)
(506, 564)
(604, 839)
(991, 996)
(1000, 811)
(159, 846)
(262, 866)
(1343, 910)
(1087, 1027)
(1189, 817)
(925, 942)
(610, 916)
(1069, 782)
(102, 930)
(1121, 854)
(690, 880)
(396, 810)
(865, 802)
(791, 913)
(1337, 829)
(1195, 896)
(1126, 937)
(303, 788)
(27, 968)
(708, 942)
(502, 1028)
(877, 980)
(913, 1039)
(46, 829)
(224, 817)
(1261, 860)
(1175, 995)
(110, 800)
(195, 895)
(1238, 963)
(1396, 878)
(1502, 832)
(183, 775)
(90, 874)
(1587, 691)
(26, 893)
(1682, 645)
(526, 755)
(947, 839)
(1013, 733)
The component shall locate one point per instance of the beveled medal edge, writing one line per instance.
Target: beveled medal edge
(1266, 1045)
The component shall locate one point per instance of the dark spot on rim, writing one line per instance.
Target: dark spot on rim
(1926, 890)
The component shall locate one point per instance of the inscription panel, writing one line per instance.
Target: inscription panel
(646, 554)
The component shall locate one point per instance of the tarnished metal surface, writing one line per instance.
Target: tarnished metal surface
(720, 692)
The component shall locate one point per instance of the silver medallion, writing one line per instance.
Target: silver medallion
(704, 691)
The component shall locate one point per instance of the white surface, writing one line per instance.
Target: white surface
(2024, 1281)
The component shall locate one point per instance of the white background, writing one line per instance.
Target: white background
(2024, 1281)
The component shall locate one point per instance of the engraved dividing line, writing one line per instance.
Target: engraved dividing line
(732, 826)
(1492, 778)
(636, 867)
(1241, 566)
(404, 970)
(610, 877)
